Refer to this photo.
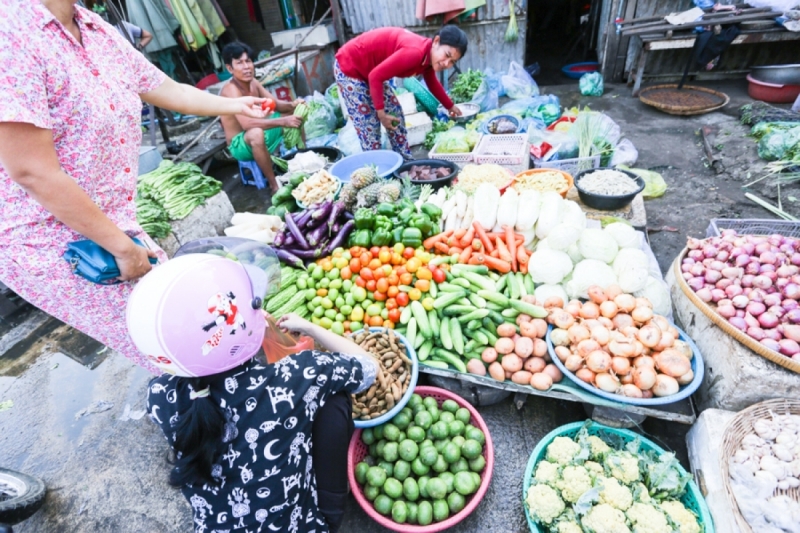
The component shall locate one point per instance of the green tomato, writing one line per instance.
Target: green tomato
(315, 320)
(373, 310)
(325, 322)
(335, 284)
(326, 303)
(330, 313)
(301, 284)
(333, 274)
(333, 294)
(385, 314)
(359, 293)
(318, 273)
(349, 300)
(311, 294)
(356, 326)
(316, 300)
(347, 285)
(345, 309)
(339, 303)
(339, 317)
(318, 312)
(324, 283)
(338, 328)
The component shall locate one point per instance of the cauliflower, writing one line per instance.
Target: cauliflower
(562, 450)
(544, 504)
(623, 465)
(605, 519)
(546, 472)
(613, 493)
(646, 518)
(683, 517)
(575, 480)
(568, 527)
(598, 447)
(640, 493)
(595, 469)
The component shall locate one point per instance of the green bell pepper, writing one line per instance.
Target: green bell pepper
(412, 237)
(431, 210)
(405, 203)
(381, 237)
(422, 223)
(406, 214)
(362, 238)
(382, 222)
(385, 209)
(364, 219)
(397, 234)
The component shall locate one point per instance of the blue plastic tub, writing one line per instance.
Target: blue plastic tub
(385, 160)
(576, 70)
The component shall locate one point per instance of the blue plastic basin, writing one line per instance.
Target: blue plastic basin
(386, 162)
(576, 70)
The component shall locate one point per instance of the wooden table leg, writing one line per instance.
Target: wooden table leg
(640, 71)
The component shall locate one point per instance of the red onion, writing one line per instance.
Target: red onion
(687, 276)
(786, 248)
(740, 301)
(792, 291)
(796, 259)
(756, 308)
(728, 233)
(732, 272)
(791, 332)
(717, 295)
(697, 255)
(772, 299)
(697, 269)
(786, 271)
(713, 276)
(757, 295)
(707, 262)
(789, 347)
(723, 283)
(726, 311)
(762, 282)
(751, 321)
(766, 268)
(717, 265)
(773, 334)
(767, 258)
(693, 244)
(733, 291)
(723, 255)
(769, 274)
(793, 316)
(747, 280)
(768, 320)
(777, 310)
(781, 283)
(762, 248)
(709, 250)
(686, 267)
(742, 260)
(752, 268)
(704, 294)
(756, 333)
(696, 284)
(736, 252)
(771, 344)
(775, 239)
(740, 313)
(749, 248)
(738, 323)
(789, 304)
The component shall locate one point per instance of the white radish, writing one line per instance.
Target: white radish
(550, 213)
(528, 207)
(507, 209)
(487, 199)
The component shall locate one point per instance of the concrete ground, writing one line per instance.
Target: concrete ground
(106, 471)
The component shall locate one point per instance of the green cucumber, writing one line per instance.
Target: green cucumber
(411, 331)
(422, 319)
(475, 269)
(529, 285)
(475, 315)
(474, 324)
(449, 358)
(425, 350)
(434, 290)
(449, 287)
(405, 315)
(436, 364)
(456, 310)
(521, 284)
(510, 313)
(444, 336)
(448, 299)
(501, 283)
(481, 281)
(456, 336)
(433, 318)
(529, 309)
(496, 317)
(513, 288)
(494, 297)
(464, 283)
(490, 335)
(470, 345)
(477, 301)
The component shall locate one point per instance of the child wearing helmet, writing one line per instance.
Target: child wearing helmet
(258, 447)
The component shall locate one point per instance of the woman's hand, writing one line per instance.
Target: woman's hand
(390, 122)
(251, 106)
(455, 111)
(133, 262)
(293, 322)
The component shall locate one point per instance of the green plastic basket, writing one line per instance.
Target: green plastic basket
(424, 97)
(693, 499)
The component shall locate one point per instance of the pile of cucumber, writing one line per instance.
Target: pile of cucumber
(282, 201)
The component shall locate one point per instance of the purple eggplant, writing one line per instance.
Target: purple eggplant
(348, 215)
(289, 258)
(336, 211)
(341, 236)
(302, 218)
(322, 211)
(307, 254)
(288, 240)
(280, 239)
(316, 236)
(314, 223)
(296, 233)
(336, 228)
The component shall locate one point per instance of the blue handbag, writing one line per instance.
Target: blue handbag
(94, 263)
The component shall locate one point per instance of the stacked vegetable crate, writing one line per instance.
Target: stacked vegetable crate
(509, 151)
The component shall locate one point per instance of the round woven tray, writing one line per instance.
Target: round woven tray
(748, 341)
(738, 428)
(690, 100)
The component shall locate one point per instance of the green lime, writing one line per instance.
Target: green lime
(437, 488)
(401, 420)
(426, 442)
(430, 401)
(451, 453)
(425, 513)
(463, 483)
(455, 428)
(409, 413)
(471, 449)
(464, 415)
(455, 502)
(416, 434)
(367, 436)
(422, 484)
(408, 450)
(391, 432)
(418, 408)
(477, 464)
(423, 419)
(376, 476)
(373, 451)
(410, 489)
(390, 452)
(371, 492)
(415, 399)
(440, 444)
(399, 512)
(440, 510)
(446, 416)
(458, 440)
(428, 455)
(439, 430)
(449, 480)
(413, 509)
(378, 432)
(476, 479)
(459, 466)
(475, 434)
(361, 472)
(383, 504)
(419, 468)
(440, 465)
(393, 488)
(401, 437)
(450, 406)
(379, 448)
(435, 413)
(387, 467)
(402, 469)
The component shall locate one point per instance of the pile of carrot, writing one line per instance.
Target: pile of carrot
(503, 252)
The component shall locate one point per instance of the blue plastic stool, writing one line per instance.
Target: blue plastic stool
(251, 174)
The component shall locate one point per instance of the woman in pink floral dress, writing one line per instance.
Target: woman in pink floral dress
(70, 112)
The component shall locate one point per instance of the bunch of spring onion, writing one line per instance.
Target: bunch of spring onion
(178, 187)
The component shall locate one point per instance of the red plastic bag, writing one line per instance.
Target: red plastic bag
(277, 344)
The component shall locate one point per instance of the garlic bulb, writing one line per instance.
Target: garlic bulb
(766, 429)
(774, 466)
(785, 437)
(782, 452)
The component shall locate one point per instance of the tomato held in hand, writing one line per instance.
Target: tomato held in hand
(268, 105)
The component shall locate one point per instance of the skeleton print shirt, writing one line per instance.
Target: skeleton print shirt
(265, 474)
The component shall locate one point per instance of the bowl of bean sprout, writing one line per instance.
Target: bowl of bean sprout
(608, 189)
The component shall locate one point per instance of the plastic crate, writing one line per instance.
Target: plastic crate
(509, 151)
(458, 159)
(418, 126)
(570, 166)
(754, 226)
(425, 99)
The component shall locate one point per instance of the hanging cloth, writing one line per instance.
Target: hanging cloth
(193, 36)
(220, 13)
(156, 19)
(166, 62)
(254, 8)
(214, 56)
(206, 18)
(427, 9)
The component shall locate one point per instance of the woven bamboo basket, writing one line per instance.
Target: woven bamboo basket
(738, 428)
(648, 96)
(748, 341)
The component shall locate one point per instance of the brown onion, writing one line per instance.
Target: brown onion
(672, 363)
(642, 315)
(684, 348)
(554, 373)
(622, 349)
(573, 362)
(644, 302)
(562, 352)
(612, 291)
(644, 360)
(686, 378)
(608, 309)
(625, 302)
(647, 394)
(596, 294)
(560, 318)
(592, 323)
(553, 301)
(586, 347)
(626, 379)
(578, 333)
(590, 310)
(665, 386)
(601, 335)
(622, 320)
(620, 365)
(644, 377)
(585, 375)
(605, 322)
(662, 323)
(606, 382)
(541, 381)
(667, 340)
(649, 336)
(573, 308)
(598, 361)
(631, 391)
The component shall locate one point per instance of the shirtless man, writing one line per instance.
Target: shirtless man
(248, 138)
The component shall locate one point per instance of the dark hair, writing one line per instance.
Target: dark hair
(198, 435)
(235, 50)
(453, 36)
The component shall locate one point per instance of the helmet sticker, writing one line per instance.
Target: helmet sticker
(225, 313)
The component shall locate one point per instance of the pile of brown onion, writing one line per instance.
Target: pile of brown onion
(615, 342)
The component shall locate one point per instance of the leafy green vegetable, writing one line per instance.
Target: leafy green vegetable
(177, 188)
(465, 86)
(291, 136)
(438, 127)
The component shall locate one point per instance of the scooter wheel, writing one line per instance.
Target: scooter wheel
(21, 496)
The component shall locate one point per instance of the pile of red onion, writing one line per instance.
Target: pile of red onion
(754, 282)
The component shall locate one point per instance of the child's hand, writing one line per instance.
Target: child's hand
(293, 322)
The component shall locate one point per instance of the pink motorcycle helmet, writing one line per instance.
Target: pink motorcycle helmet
(199, 314)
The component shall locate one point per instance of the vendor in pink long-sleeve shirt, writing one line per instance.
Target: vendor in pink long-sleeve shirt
(365, 64)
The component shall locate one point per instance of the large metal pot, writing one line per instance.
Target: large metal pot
(777, 74)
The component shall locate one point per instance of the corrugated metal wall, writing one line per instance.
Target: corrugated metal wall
(487, 47)
(251, 32)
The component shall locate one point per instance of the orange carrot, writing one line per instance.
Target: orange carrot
(502, 235)
(487, 243)
(465, 255)
(512, 246)
(454, 250)
(502, 250)
(523, 268)
(467, 238)
(520, 241)
(495, 254)
(522, 256)
(477, 259)
(477, 244)
(441, 247)
(459, 233)
(498, 264)
(430, 241)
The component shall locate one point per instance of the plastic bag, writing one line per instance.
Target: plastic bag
(486, 97)
(518, 83)
(591, 84)
(277, 344)
(625, 153)
(780, 144)
(552, 145)
(332, 97)
(495, 80)
(544, 108)
(654, 184)
(324, 140)
(321, 119)
(347, 140)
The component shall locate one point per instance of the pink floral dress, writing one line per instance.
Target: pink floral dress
(88, 96)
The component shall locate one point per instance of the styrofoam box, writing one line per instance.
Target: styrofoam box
(408, 103)
(418, 126)
(323, 34)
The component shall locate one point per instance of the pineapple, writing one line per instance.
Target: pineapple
(409, 191)
(368, 196)
(389, 192)
(364, 177)
(348, 196)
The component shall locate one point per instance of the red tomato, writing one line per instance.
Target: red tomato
(408, 253)
(394, 315)
(439, 276)
(371, 285)
(365, 258)
(391, 303)
(379, 296)
(374, 251)
(406, 279)
(393, 291)
(382, 285)
(366, 274)
(376, 321)
(355, 265)
(360, 281)
(345, 273)
(402, 299)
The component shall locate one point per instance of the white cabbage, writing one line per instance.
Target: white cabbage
(597, 244)
(549, 266)
(587, 273)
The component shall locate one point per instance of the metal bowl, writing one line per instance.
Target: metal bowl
(468, 112)
(607, 203)
(777, 74)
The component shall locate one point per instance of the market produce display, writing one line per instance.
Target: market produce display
(542, 181)
(425, 172)
(308, 162)
(597, 479)
(607, 182)
(366, 189)
(261, 228)
(472, 176)
(152, 217)
(751, 281)
(438, 127)
(317, 188)
(615, 342)
(313, 233)
(395, 377)
(292, 137)
(425, 465)
(178, 188)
